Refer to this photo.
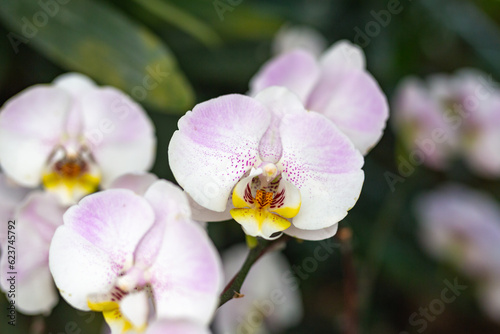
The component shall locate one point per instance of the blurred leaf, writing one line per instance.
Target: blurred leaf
(95, 39)
(236, 19)
(182, 20)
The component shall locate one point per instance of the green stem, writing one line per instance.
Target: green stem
(263, 246)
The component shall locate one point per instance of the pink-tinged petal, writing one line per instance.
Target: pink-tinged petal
(36, 220)
(137, 182)
(119, 133)
(170, 204)
(326, 167)
(354, 101)
(74, 83)
(418, 117)
(37, 293)
(296, 70)
(216, 144)
(313, 235)
(97, 243)
(176, 327)
(113, 220)
(343, 55)
(290, 38)
(186, 277)
(31, 126)
(280, 101)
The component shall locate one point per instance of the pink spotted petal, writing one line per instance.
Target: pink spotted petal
(324, 165)
(216, 144)
(97, 242)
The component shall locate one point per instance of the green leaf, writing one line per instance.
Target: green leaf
(183, 20)
(95, 39)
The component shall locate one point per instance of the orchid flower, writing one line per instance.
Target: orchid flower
(462, 226)
(268, 163)
(336, 85)
(450, 116)
(136, 258)
(72, 136)
(36, 219)
(268, 305)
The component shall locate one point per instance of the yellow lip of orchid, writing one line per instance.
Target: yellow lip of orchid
(71, 176)
(266, 212)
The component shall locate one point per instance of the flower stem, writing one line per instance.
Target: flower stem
(351, 313)
(233, 288)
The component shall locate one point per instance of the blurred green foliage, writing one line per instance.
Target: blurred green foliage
(115, 42)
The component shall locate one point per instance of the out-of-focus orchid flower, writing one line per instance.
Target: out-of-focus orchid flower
(283, 168)
(11, 195)
(451, 116)
(336, 85)
(462, 226)
(73, 136)
(176, 327)
(268, 306)
(36, 220)
(290, 38)
(121, 253)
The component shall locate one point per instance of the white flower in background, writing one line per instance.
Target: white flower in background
(451, 116)
(337, 85)
(268, 163)
(121, 252)
(269, 305)
(462, 226)
(290, 38)
(72, 136)
(11, 195)
(36, 220)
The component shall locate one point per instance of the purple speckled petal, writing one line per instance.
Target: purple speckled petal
(176, 327)
(187, 274)
(118, 132)
(354, 102)
(280, 102)
(36, 221)
(31, 125)
(96, 242)
(326, 167)
(296, 70)
(216, 144)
